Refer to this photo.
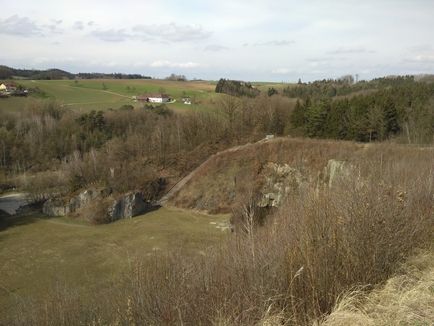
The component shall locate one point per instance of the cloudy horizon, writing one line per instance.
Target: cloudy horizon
(250, 40)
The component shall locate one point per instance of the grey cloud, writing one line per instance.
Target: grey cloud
(215, 48)
(421, 48)
(326, 59)
(171, 32)
(351, 50)
(53, 28)
(20, 26)
(90, 23)
(112, 35)
(271, 43)
(421, 59)
(275, 43)
(164, 33)
(79, 25)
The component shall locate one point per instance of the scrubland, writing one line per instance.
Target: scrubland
(355, 250)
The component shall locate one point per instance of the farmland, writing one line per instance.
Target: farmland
(102, 94)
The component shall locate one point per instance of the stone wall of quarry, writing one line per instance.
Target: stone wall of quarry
(124, 206)
(280, 180)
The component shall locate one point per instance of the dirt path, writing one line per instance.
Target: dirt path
(114, 93)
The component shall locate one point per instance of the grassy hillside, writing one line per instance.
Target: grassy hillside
(291, 270)
(102, 94)
(37, 253)
(218, 181)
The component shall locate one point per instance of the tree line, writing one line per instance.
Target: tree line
(236, 88)
(56, 74)
(398, 106)
(140, 145)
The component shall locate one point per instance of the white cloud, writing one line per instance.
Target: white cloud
(169, 64)
(284, 39)
(282, 71)
(171, 32)
(215, 48)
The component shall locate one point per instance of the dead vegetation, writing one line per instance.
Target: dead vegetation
(293, 269)
(406, 299)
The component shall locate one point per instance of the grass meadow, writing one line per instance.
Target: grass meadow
(37, 253)
(103, 94)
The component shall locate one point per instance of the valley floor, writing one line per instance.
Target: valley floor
(38, 253)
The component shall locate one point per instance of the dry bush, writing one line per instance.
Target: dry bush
(295, 267)
(407, 299)
(314, 249)
(42, 184)
(292, 270)
(60, 305)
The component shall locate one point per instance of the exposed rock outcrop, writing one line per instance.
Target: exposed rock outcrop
(280, 180)
(125, 206)
(128, 205)
(62, 207)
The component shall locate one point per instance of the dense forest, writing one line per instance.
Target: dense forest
(376, 110)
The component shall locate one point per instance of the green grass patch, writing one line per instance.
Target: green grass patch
(103, 94)
(36, 251)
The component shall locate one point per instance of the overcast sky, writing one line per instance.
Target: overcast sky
(279, 40)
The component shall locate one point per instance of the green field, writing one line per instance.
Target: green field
(102, 94)
(38, 252)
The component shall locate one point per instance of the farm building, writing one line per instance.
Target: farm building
(186, 100)
(154, 98)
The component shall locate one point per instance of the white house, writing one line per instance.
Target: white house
(154, 98)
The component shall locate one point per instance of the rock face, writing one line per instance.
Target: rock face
(62, 207)
(55, 207)
(280, 179)
(128, 205)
